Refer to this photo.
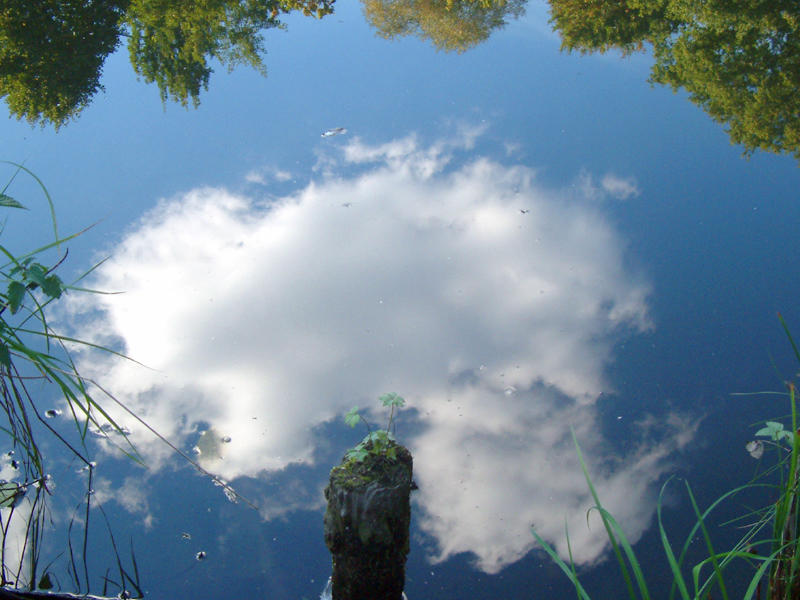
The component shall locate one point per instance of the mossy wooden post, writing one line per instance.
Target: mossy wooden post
(366, 525)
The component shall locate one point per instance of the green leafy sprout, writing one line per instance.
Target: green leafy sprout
(376, 443)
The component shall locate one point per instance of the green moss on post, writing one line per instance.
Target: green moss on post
(367, 523)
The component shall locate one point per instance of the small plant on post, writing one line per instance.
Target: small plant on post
(380, 442)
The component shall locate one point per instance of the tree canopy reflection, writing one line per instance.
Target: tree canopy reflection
(450, 24)
(52, 51)
(739, 61)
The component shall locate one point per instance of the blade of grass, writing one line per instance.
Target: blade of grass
(623, 568)
(568, 571)
(677, 576)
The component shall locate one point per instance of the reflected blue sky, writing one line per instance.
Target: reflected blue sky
(516, 240)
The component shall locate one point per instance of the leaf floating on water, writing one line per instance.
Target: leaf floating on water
(11, 494)
(334, 131)
(755, 448)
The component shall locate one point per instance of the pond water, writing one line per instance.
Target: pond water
(521, 242)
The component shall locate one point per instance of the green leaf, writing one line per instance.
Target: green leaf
(379, 437)
(53, 286)
(9, 491)
(392, 399)
(5, 356)
(36, 273)
(775, 431)
(358, 453)
(9, 202)
(352, 417)
(16, 294)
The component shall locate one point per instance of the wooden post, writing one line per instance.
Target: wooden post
(367, 523)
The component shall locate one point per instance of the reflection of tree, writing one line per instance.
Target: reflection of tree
(449, 24)
(172, 42)
(739, 61)
(52, 51)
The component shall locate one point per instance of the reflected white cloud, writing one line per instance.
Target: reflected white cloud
(497, 464)
(131, 495)
(621, 188)
(446, 282)
(264, 175)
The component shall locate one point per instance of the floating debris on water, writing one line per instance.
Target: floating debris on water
(52, 413)
(186, 536)
(46, 481)
(230, 494)
(510, 390)
(226, 439)
(334, 131)
(101, 431)
(200, 555)
(197, 451)
(755, 448)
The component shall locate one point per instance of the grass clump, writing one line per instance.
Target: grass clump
(32, 352)
(768, 548)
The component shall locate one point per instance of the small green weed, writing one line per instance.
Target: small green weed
(381, 441)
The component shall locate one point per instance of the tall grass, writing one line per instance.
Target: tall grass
(32, 352)
(768, 549)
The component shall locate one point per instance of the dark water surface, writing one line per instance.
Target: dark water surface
(519, 241)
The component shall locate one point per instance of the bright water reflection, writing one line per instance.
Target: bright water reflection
(489, 302)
